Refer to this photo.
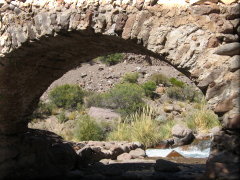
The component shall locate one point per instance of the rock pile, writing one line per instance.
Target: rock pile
(90, 152)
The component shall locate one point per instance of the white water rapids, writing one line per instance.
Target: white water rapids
(200, 150)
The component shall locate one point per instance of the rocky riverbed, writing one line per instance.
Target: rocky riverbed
(123, 160)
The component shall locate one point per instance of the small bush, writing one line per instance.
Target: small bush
(149, 87)
(201, 120)
(176, 82)
(88, 129)
(125, 98)
(183, 94)
(43, 110)
(111, 59)
(67, 96)
(62, 117)
(130, 78)
(160, 79)
(175, 93)
(107, 127)
(192, 94)
(98, 100)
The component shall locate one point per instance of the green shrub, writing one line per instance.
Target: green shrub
(201, 120)
(111, 59)
(125, 98)
(175, 93)
(149, 87)
(107, 127)
(98, 100)
(130, 78)
(192, 94)
(183, 94)
(88, 129)
(62, 117)
(160, 79)
(67, 96)
(43, 110)
(176, 82)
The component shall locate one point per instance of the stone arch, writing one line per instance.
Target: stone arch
(41, 40)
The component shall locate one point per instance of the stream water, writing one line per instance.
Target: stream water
(198, 149)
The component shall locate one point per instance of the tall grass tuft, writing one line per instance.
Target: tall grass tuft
(121, 133)
(140, 127)
(166, 129)
(202, 119)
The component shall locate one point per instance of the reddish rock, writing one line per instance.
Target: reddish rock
(174, 154)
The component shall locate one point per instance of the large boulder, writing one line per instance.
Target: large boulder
(138, 153)
(234, 63)
(230, 49)
(124, 156)
(182, 135)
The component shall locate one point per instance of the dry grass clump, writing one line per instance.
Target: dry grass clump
(141, 127)
(202, 119)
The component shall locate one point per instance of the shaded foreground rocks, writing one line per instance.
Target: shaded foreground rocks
(90, 152)
(37, 153)
(224, 164)
(166, 166)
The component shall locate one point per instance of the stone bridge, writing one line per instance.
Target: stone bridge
(40, 40)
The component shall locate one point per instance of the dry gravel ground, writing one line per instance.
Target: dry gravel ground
(95, 76)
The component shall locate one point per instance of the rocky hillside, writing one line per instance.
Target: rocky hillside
(99, 77)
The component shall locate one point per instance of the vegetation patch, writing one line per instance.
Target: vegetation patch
(176, 82)
(62, 118)
(184, 94)
(130, 78)
(160, 79)
(125, 98)
(67, 96)
(142, 127)
(88, 129)
(112, 59)
(201, 120)
(149, 87)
